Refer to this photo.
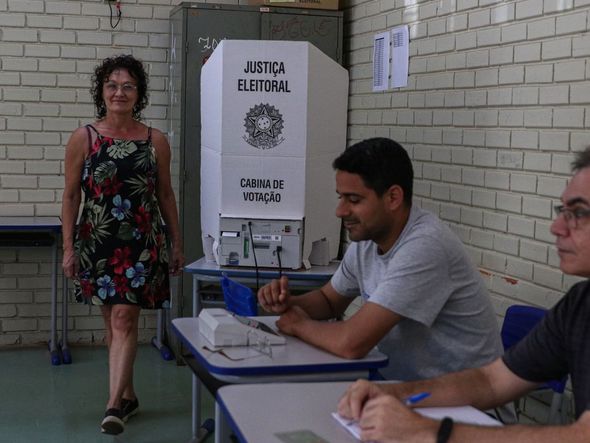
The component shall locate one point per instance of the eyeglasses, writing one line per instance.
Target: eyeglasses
(571, 216)
(127, 88)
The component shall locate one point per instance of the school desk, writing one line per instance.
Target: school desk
(281, 412)
(293, 361)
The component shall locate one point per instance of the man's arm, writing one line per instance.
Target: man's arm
(484, 388)
(385, 418)
(321, 304)
(578, 432)
(351, 338)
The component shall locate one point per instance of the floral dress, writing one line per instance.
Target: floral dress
(120, 240)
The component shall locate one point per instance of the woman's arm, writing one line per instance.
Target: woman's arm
(76, 151)
(167, 201)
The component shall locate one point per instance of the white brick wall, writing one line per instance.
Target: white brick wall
(48, 50)
(515, 111)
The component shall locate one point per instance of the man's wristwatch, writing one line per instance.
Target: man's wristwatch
(444, 430)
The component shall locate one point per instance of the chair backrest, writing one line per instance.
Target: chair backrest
(238, 298)
(518, 322)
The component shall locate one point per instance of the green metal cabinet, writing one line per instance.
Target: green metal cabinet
(195, 31)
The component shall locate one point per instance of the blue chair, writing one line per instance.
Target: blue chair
(238, 298)
(518, 322)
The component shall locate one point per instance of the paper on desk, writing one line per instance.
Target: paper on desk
(462, 414)
(351, 426)
(235, 353)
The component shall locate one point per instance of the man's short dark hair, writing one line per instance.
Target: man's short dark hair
(381, 163)
(582, 160)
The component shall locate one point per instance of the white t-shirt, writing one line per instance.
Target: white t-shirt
(427, 278)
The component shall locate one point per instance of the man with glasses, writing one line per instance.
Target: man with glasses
(558, 346)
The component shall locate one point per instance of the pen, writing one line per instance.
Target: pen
(413, 399)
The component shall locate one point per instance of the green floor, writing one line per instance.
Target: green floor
(65, 404)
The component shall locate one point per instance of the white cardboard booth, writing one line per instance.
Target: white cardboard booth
(273, 117)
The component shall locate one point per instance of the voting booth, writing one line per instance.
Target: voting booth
(273, 117)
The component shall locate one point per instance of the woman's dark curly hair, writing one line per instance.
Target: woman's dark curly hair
(104, 70)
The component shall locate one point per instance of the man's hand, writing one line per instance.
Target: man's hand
(355, 397)
(289, 319)
(386, 419)
(274, 296)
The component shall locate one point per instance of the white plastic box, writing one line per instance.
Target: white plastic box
(273, 120)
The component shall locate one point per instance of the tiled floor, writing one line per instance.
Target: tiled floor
(65, 404)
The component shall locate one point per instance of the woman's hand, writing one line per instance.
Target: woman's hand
(70, 263)
(177, 262)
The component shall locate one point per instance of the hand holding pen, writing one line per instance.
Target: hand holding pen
(354, 427)
(387, 418)
(416, 398)
(360, 392)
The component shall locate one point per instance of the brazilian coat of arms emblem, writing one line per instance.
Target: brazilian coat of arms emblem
(264, 125)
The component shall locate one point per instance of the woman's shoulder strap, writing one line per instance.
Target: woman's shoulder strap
(89, 137)
(89, 126)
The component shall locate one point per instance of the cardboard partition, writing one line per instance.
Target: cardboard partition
(273, 117)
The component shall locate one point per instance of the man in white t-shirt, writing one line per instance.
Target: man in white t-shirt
(424, 303)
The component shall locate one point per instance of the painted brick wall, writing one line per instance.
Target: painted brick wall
(498, 101)
(48, 50)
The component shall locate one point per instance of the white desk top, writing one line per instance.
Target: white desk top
(203, 267)
(294, 361)
(30, 223)
(258, 412)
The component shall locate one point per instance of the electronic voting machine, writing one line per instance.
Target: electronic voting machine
(223, 328)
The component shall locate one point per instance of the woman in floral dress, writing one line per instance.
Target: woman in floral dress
(118, 256)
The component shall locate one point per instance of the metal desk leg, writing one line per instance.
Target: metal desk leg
(222, 432)
(65, 350)
(53, 344)
(158, 340)
(196, 296)
(199, 432)
(196, 405)
(196, 382)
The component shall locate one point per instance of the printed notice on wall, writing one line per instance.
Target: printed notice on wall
(381, 61)
(400, 42)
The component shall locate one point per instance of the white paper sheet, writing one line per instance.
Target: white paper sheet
(381, 45)
(400, 51)
(461, 414)
(350, 425)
